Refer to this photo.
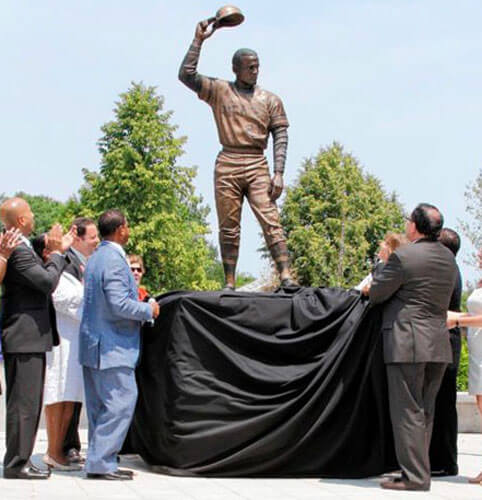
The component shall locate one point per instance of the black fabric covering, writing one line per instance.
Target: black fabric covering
(281, 384)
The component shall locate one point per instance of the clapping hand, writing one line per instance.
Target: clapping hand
(9, 241)
(59, 242)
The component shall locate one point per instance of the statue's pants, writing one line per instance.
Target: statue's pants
(236, 176)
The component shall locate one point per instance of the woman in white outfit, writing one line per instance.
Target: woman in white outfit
(473, 321)
(63, 377)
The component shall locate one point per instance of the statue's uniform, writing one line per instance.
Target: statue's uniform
(244, 121)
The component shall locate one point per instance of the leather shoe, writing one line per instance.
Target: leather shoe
(28, 471)
(75, 457)
(449, 471)
(110, 476)
(401, 485)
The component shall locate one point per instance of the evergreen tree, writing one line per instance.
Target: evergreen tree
(140, 175)
(334, 216)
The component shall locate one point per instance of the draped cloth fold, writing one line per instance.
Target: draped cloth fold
(288, 384)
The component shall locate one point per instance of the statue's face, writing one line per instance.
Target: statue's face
(247, 70)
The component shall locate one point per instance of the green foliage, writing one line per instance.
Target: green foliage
(140, 175)
(334, 217)
(47, 211)
(472, 227)
(463, 373)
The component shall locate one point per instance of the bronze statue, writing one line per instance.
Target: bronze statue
(245, 115)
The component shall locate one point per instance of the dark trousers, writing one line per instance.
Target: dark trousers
(24, 376)
(443, 447)
(412, 390)
(72, 438)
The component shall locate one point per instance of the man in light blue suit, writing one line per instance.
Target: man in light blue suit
(109, 347)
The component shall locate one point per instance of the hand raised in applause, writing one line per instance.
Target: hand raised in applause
(59, 242)
(9, 241)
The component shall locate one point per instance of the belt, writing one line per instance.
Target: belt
(243, 150)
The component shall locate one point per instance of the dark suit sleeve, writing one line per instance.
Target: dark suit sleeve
(387, 280)
(31, 273)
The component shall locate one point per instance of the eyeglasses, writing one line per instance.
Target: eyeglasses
(136, 269)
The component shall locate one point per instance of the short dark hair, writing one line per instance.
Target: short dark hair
(81, 224)
(450, 239)
(240, 53)
(428, 220)
(39, 244)
(109, 221)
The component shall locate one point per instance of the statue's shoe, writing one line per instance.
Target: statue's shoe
(289, 283)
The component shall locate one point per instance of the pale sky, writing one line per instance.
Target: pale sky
(398, 83)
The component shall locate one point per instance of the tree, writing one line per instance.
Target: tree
(473, 228)
(334, 216)
(140, 175)
(46, 210)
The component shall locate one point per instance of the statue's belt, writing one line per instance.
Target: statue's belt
(243, 150)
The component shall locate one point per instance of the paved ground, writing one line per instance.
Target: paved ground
(146, 485)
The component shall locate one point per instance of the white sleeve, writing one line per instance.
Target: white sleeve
(68, 297)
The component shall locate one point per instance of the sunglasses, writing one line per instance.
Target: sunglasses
(136, 269)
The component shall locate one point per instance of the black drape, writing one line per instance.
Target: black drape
(279, 384)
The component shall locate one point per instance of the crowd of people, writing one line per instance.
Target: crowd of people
(73, 305)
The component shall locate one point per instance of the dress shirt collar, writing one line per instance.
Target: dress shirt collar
(80, 256)
(26, 241)
(117, 247)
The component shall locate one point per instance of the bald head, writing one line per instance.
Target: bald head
(16, 212)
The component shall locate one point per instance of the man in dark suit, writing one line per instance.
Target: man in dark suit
(85, 242)
(26, 335)
(416, 285)
(443, 447)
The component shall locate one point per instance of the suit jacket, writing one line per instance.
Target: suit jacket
(26, 302)
(416, 285)
(74, 266)
(112, 315)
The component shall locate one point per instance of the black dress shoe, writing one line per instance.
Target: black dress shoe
(448, 471)
(28, 471)
(110, 476)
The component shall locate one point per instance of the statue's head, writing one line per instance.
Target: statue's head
(246, 66)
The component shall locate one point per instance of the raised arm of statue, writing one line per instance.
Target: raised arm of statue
(188, 71)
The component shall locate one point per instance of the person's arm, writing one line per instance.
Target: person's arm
(458, 319)
(117, 290)
(387, 281)
(31, 273)
(188, 71)
(8, 242)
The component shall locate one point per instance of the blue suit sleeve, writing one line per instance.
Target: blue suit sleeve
(117, 293)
